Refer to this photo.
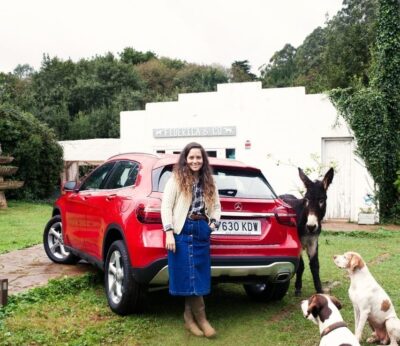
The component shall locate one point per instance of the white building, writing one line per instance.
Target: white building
(276, 130)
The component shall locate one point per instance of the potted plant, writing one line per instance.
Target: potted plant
(367, 216)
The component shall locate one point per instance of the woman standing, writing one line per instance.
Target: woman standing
(190, 211)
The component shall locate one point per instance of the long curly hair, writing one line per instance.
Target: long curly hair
(186, 178)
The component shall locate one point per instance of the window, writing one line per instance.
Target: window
(230, 153)
(231, 182)
(165, 175)
(123, 175)
(242, 183)
(97, 179)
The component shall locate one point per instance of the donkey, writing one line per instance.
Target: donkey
(310, 211)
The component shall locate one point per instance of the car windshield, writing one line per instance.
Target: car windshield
(232, 182)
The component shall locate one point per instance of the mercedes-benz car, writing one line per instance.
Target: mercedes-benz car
(112, 219)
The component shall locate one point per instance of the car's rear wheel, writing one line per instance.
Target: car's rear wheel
(54, 244)
(124, 294)
(267, 291)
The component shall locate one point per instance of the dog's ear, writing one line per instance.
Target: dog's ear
(336, 302)
(356, 262)
(318, 307)
(314, 305)
(328, 178)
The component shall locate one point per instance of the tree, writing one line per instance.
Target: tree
(16, 90)
(281, 69)
(134, 57)
(195, 78)
(373, 112)
(309, 62)
(337, 55)
(158, 79)
(63, 90)
(240, 72)
(99, 81)
(51, 90)
(8, 87)
(349, 38)
(23, 71)
(36, 152)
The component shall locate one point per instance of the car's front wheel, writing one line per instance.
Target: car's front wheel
(124, 294)
(54, 244)
(267, 291)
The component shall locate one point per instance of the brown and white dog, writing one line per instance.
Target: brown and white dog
(370, 301)
(323, 310)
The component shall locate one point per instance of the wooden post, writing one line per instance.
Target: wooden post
(3, 201)
(3, 292)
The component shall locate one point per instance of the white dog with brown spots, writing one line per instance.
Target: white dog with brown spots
(370, 301)
(323, 310)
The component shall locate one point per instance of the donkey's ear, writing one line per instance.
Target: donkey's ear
(328, 178)
(306, 180)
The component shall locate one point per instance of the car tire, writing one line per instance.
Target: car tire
(123, 293)
(53, 243)
(267, 291)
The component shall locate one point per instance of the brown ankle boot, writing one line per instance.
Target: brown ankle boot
(199, 313)
(190, 323)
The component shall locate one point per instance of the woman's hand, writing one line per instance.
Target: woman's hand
(212, 226)
(170, 241)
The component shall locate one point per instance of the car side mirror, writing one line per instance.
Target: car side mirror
(69, 186)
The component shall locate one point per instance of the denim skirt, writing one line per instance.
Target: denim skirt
(189, 267)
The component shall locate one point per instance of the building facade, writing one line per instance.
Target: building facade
(276, 130)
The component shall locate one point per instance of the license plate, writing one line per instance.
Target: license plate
(239, 227)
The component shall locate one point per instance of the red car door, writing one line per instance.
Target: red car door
(99, 209)
(78, 206)
(104, 206)
(74, 219)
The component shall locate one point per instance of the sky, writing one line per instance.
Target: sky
(198, 31)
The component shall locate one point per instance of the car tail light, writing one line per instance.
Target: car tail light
(285, 216)
(148, 214)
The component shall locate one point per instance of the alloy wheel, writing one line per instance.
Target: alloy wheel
(115, 277)
(56, 243)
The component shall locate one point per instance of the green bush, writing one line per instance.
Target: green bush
(373, 112)
(36, 152)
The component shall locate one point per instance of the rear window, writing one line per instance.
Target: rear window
(231, 182)
(242, 183)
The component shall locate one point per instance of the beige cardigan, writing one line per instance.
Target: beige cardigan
(175, 206)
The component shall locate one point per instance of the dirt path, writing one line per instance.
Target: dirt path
(30, 267)
(338, 225)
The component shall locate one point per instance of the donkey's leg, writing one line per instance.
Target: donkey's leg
(314, 265)
(299, 275)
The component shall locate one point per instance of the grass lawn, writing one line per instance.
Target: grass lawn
(75, 311)
(22, 224)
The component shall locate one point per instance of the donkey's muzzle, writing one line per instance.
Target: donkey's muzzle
(312, 228)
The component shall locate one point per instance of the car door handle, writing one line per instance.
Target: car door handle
(111, 197)
(85, 197)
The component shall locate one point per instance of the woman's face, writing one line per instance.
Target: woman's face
(195, 160)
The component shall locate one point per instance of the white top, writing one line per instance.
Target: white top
(175, 206)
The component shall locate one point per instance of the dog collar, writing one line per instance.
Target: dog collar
(332, 327)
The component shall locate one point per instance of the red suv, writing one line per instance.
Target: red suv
(112, 219)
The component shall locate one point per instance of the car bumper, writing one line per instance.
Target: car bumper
(252, 269)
